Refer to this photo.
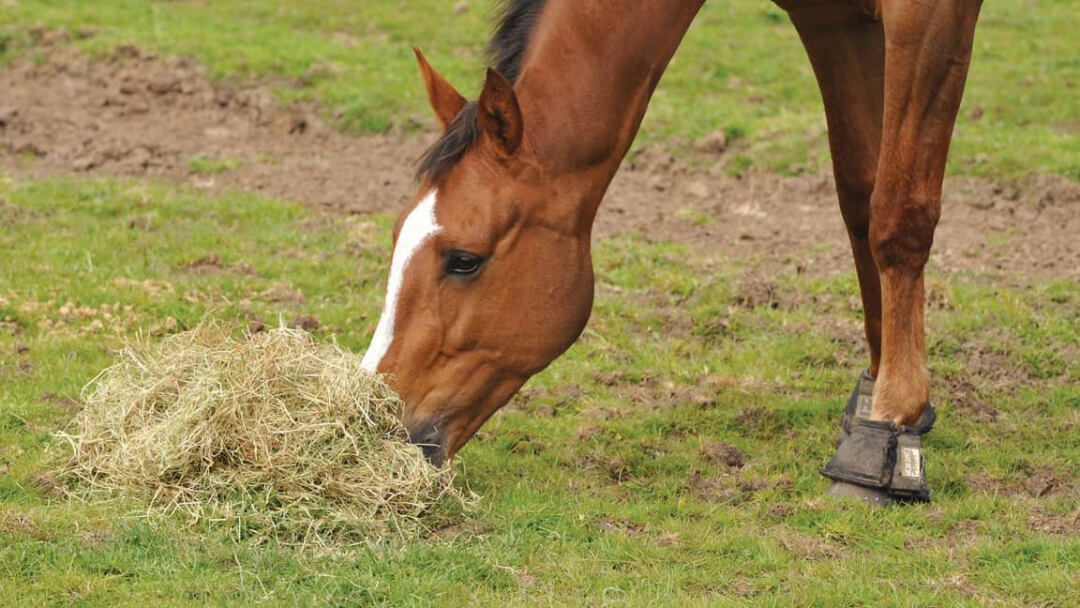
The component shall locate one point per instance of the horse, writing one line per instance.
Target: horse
(491, 274)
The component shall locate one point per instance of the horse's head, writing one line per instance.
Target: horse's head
(490, 278)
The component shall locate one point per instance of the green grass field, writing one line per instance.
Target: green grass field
(603, 483)
(597, 483)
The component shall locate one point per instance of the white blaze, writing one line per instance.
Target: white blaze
(419, 226)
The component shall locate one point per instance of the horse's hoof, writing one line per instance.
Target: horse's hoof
(849, 491)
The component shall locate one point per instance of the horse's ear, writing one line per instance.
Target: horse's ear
(499, 114)
(444, 98)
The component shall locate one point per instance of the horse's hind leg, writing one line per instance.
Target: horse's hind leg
(847, 52)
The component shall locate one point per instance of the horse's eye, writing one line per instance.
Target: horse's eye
(461, 263)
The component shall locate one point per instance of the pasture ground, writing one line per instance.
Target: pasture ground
(670, 457)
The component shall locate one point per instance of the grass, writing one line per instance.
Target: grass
(596, 481)
(740, 69)
(597, 484)
(206, 165)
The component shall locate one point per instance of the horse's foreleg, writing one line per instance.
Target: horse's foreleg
(928, 48)
(891, 89)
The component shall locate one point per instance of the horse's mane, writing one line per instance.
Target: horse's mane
(505, 52)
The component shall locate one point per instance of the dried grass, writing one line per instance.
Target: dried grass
(273, 433)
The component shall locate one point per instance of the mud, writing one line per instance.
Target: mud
(136, 114)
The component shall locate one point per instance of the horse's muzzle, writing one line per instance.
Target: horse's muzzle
(427, 436)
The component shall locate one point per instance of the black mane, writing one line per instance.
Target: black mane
(505, 52)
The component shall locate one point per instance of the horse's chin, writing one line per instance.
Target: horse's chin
(441, 431)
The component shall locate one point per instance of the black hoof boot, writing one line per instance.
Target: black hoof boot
(901, 477)
(878, 458)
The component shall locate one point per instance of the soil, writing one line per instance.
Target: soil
(1044, 521)
(723, 453)
(136, 114)
(1037, 482)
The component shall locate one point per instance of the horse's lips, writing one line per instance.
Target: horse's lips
(426, 435)
(434, 454)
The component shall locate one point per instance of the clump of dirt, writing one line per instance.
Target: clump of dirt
(612, 378)
(809, 547)
(212, 264)
(723, 453)
(1042, 482)
(967, 402)
(754, 289)
(979, 412)
(983, 484)
(612, 466)
(780, 510)
(655, 391)
(544, 401)
(14, 523)
(1051, 523)
(621, 526)
(45, 483)
(993, 368)
(590, 431)
(732, 487)
(714, 489)
(284, 293)
(307, 323)
(754, 418)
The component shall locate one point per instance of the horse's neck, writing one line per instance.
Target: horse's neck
(587, 77)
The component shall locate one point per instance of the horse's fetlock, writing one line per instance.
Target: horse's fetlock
(901, 400)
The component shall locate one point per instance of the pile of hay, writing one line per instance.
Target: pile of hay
(272, 434)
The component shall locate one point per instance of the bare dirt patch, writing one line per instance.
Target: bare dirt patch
(1041, 520)
(212, 264)
(805, 546)
(723, 453)
(136, 114)
(13, 522)
(1019, 229)
(1037, 482)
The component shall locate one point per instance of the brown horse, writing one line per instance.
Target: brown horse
(491, 276)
